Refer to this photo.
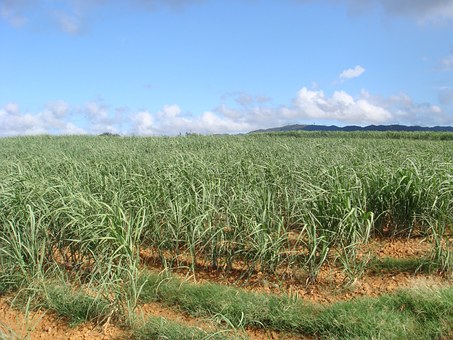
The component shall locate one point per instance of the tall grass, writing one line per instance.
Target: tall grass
(83, 207)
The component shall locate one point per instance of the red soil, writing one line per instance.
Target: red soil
(330, 287)
(40, 325)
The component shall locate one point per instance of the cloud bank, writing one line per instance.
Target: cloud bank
(54, 119)
(246, 113)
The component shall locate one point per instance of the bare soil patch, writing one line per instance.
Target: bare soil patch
(14, 324)
(400, 248)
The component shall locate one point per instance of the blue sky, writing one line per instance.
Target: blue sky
(164, 67)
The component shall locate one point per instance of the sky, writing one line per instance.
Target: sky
(169, 67)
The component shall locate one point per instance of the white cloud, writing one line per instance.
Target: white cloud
(11, 108)
(171, 120)
(72, 129)
(170, 112)
(96, 111)
(13, 122)
(352, 72)
(210, 122)
(54, 119)
(58, 108)
(340, 107)
(407, 111)
(101, 119)
(143, 124)
(308, 106)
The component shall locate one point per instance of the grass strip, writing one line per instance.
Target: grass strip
(422, 314)
(162, 328)
(76, 307)
(235, 306)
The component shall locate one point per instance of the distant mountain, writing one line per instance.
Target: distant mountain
(394, 127)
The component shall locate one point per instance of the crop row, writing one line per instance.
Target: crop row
(91, 204)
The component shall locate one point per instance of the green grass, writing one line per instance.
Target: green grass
(80, 209)
(422, 135)
(421, 314)
(424, 314)
(239, 308)
(219, 199)
(161, 328)
(76, 306)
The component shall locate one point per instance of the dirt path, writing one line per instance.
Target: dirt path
(14, 324)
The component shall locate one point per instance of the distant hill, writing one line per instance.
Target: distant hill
(394, 127)
(109, 134)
